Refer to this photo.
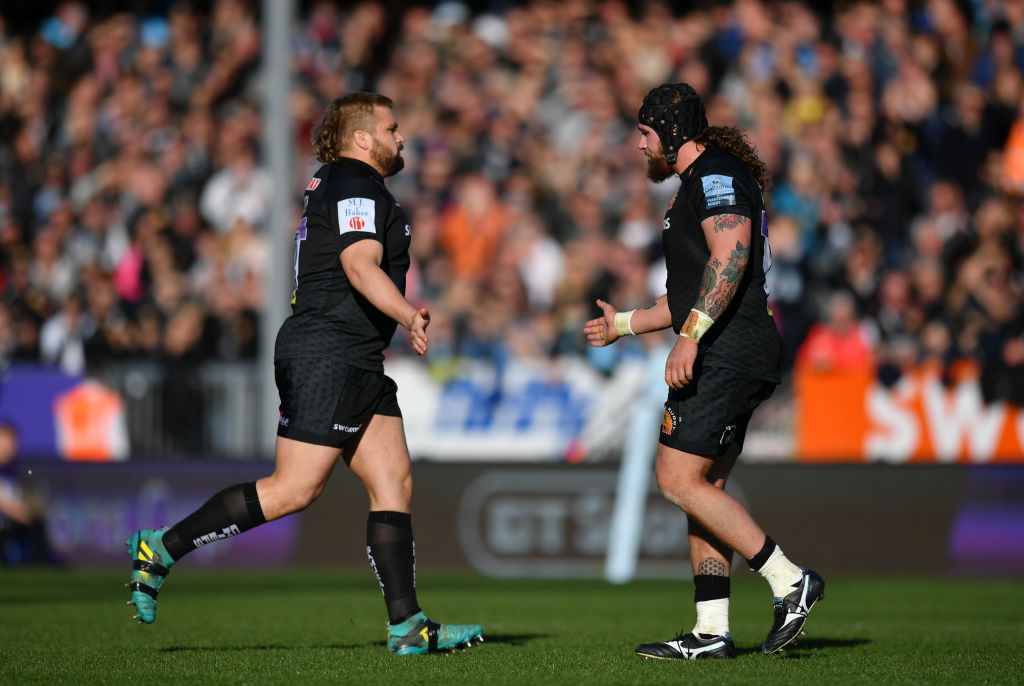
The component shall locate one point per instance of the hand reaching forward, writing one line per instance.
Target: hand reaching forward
(601, 331)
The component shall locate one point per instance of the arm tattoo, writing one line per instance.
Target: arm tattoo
(721, 281)
(651, 305)
(712, 566)
(737, 262)
(726, 222)
(707, 283)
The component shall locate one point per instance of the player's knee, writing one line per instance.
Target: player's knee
(673, 489)
(680, 490)
(397, 493)
(296, 497)
(405, 487)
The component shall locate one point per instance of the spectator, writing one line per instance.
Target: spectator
(240, 191)
(23, 536)
(128, 163)
(840, 342)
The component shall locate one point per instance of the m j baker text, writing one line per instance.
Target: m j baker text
(844, 416)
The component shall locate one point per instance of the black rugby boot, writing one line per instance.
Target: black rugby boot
(690, 647)
(791, 611)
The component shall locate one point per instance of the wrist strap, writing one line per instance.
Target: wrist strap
(696, 325)
(622, 323)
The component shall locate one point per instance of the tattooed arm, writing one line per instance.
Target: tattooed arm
(728, 238)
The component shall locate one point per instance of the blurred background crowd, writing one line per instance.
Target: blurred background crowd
(133, 200)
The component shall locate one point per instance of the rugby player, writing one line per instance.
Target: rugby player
(351, 259)
(724, 363)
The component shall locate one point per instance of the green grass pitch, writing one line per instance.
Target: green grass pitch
(327, 626)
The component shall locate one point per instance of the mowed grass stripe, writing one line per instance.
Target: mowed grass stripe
(327, 626)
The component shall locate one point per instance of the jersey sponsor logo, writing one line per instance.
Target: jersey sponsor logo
(313, 183)
(356, 214)
(718, 190)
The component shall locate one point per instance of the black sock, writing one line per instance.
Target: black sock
(756, 562)
(709, 587)
(392, 553)
(229, 512)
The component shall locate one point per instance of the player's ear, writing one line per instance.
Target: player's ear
(362, 139)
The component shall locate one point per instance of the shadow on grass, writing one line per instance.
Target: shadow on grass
(798, 650)
(267, 646)
(510, 639)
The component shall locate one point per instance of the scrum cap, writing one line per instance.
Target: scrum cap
(676, 113)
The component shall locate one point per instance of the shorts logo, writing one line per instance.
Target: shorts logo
(718, 190)
(668, 425)
(356, 214)
(313, 183)
(728, 436)
(283, 421)
(347, 429)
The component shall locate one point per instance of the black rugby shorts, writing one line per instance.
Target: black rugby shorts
(712, 411)
(327, 402)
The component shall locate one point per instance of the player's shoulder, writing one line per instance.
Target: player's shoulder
(721, 173)
(342, 180)
(720, 162)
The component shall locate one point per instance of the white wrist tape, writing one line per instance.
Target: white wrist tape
(696, 325)
(622, 323)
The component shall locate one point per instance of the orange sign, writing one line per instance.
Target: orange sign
(848, 416)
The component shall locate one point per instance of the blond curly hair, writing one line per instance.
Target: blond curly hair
(342, 118)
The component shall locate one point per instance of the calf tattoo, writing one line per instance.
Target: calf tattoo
(712, 566)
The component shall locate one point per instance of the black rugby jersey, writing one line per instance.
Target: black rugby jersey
(344, 202)
(744, 337)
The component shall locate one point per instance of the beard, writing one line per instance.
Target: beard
(390, 163)
(658, 168)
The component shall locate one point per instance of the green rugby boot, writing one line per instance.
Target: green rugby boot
(419, 636)
(150, 564)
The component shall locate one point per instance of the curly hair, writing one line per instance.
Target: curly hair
(734, 141)
(341, 119)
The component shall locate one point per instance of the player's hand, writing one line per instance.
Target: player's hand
(679, 366)
(601, 331)
(418, 330)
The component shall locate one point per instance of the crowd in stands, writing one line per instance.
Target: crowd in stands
(134, 202)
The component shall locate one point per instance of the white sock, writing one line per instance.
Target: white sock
(712, 617)
(782, 575)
